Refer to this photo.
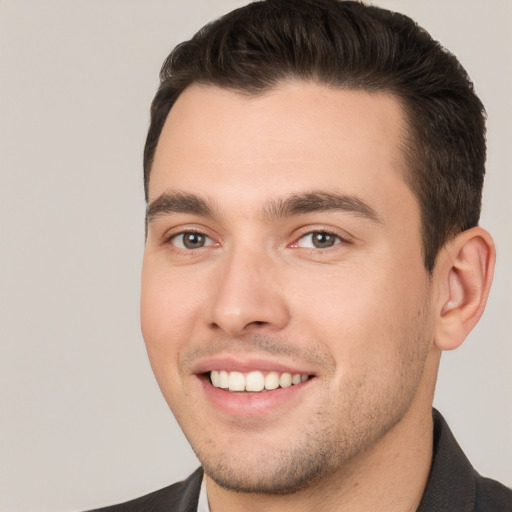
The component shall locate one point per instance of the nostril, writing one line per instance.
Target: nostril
(255, 325)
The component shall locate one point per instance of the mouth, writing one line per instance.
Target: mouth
(254, 381)
(254, 387)
(248, 386)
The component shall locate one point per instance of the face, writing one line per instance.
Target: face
(285, 305)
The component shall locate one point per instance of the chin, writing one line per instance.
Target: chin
(270, 477)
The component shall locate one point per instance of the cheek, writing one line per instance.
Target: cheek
(160, 330)
(166, 322)
(364, 316)
(167, 302)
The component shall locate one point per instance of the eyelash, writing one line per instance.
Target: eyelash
(209, 242)
(338, 240)
(172, 238)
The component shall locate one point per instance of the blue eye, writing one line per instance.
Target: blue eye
(190, 240)
(319, 240)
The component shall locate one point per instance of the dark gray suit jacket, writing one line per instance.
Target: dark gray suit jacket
(453, 485)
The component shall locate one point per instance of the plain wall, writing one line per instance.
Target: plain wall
(82, 422)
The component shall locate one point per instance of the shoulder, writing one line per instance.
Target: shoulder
(454, 485)
(178, 497)
(491, 496)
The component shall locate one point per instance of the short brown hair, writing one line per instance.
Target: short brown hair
(347, 44)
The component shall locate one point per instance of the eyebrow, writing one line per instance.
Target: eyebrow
(177, 202)
(300, 204)
(295, 204)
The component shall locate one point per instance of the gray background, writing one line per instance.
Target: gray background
(82, 422)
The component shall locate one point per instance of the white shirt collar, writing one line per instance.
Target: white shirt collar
(202, 505)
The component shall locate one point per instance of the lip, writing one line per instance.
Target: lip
(232, 364)
(251, 404)
(235, 404)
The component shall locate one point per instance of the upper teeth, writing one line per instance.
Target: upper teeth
(254, 381)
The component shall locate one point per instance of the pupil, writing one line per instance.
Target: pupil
(323, 240)
(193, 240)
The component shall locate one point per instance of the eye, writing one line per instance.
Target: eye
(190, 240)
(318, 240)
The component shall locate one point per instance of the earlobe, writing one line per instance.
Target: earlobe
(464, 274)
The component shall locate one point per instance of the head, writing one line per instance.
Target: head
(313, 171)
(348, 45)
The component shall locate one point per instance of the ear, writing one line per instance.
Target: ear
(464, 273)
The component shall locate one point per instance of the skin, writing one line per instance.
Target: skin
(359, 314)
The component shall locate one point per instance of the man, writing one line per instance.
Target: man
(313, 175)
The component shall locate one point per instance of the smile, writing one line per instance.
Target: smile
(255, 381)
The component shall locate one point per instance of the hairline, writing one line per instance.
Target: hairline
(407, 145)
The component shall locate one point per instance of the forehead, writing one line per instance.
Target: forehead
(297, 136)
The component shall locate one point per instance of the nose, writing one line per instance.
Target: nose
(248, 295)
